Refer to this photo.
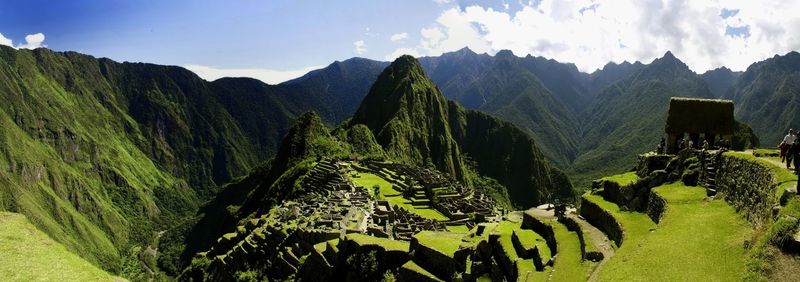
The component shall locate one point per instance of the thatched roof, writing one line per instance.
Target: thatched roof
(691, 115)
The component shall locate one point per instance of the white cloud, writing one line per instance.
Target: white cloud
(591, 33)
(442, 1)
(361, 47)
(399, 37)
(5, 41)
(32, 41)
(265, 75)
(401, 51)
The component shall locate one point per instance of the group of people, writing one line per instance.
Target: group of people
(687, 143)
(790, 149)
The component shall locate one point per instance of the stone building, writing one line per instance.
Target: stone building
(699, 119)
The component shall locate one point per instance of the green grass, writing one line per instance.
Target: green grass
(444, 242)
(568, 264)
(410, 265)
(388, 244)
(458, 228)
(393, 196)
(622, 179)
(766, 152)
(30, 255)
(529, 239)
(696, 240)
(635, 225)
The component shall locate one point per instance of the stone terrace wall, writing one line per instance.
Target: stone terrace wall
(656, 206)
(602, 219)
(748, 186)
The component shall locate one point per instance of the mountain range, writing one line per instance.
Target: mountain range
(106, 157)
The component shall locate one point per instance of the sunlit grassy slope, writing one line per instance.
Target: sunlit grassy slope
(696, 240)
(27, 254)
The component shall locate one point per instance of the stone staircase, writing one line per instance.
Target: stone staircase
(713, 163)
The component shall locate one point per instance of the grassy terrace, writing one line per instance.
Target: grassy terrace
(636, 225)
(697, 240)
(444, 242)
(394, 197)
(569, 264)
(622, 179)
(30, 255)
(387, 244)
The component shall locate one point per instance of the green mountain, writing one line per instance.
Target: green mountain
(44, 259)
(628, 116)
(766, 97)
(720, 81)
(509, 87)
(414, 123)
(265, 186)
(409, 118)
(103, 156)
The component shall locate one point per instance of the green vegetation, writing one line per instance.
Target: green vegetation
(30, 255)
(634, 225)
(394, 197)
(766, 152)
(622, 179)
(696, 239)
(414, 123)
(784, 178)
(413, 267)
(569, 264)
(444, 242)
(763, 93)
(387, 244)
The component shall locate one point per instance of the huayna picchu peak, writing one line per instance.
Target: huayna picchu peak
(551, 141)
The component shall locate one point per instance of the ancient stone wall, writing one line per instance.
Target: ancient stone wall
(602, 219)
(656, 206)
(748, 186)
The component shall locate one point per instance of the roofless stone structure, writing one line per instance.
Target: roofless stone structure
(710, 118)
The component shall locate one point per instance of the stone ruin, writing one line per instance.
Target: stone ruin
(700, 119)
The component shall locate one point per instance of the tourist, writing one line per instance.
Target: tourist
(691, 144)
(660, 149)
(793, 154)
(787, 141)
(705, 145)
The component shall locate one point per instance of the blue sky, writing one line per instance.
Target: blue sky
(278, 40)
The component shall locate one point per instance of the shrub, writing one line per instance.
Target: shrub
(364, 265)
(781, 231)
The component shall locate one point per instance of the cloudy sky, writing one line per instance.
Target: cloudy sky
(281, 39)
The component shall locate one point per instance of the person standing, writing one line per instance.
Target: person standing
(787, 142)
(791, 139)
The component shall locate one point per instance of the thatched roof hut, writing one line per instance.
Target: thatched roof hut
(698, 116)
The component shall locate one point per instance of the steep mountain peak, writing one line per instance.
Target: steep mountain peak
(669, 60)
(404, 109)
(505, 53)
(464, 51)
(667, 67)
(405, 64)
